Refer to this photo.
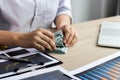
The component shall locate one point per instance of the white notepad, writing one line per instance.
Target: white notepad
(109, 34)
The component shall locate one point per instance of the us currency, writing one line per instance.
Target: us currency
(59, 38)
(60, 47)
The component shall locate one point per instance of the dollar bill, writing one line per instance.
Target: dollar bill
(60, 46)
(59, 38)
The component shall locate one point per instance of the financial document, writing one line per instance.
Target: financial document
(107, 68)
(10, 68)
(53, 73)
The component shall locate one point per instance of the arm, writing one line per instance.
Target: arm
(40, 39)
(63, 22)
(8, 38)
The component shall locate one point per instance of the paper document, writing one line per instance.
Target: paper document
(107, 68)
(54, 73)
(10, 68)
(109, 34)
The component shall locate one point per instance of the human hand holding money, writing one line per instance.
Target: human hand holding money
(60, 46)
(59, 38)
(70, 34)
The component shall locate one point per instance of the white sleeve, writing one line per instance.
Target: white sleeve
(65, 8)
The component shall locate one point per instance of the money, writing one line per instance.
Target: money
(59, 38)
(60, 46)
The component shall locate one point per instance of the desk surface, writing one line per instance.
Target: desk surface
(86, 50)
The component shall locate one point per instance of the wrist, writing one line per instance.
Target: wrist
(62, 20)
(16, 39)
(64, 25)
(8, 38)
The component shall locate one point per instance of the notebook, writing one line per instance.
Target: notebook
(109, 34)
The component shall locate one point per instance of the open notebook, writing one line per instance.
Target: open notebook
(109, 34)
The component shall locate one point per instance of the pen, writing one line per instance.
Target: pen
(17, 69)
(3, 47)
(15, 59)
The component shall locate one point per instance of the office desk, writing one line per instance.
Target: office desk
(86, 50)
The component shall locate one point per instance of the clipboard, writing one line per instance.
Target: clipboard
(9, 68)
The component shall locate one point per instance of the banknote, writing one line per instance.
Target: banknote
(60, 46)
(59, 38)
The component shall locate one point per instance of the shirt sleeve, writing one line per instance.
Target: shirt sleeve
(65, 8)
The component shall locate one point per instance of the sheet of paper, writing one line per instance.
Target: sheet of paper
(54, 73)
(109, 34)
(8, 68)
(107, 68)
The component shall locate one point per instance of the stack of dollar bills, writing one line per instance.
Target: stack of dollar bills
(60, 47)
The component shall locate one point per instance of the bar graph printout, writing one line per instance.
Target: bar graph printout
(107, 68)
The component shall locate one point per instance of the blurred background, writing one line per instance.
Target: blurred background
(85, 10)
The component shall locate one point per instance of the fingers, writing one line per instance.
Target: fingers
(70, 35)
(47, 42)
(47, 33)
(45, 39)
(66, 33)
(39, 47)
(40, 39)
(74, 40)
(45, 45)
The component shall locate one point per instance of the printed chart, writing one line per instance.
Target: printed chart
(105, 69)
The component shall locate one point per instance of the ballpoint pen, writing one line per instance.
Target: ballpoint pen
(3, 47)
(15, 59)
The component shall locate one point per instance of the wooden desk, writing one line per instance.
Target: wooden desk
(86, 50)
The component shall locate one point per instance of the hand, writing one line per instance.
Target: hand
(70, 35)
(40, 39)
